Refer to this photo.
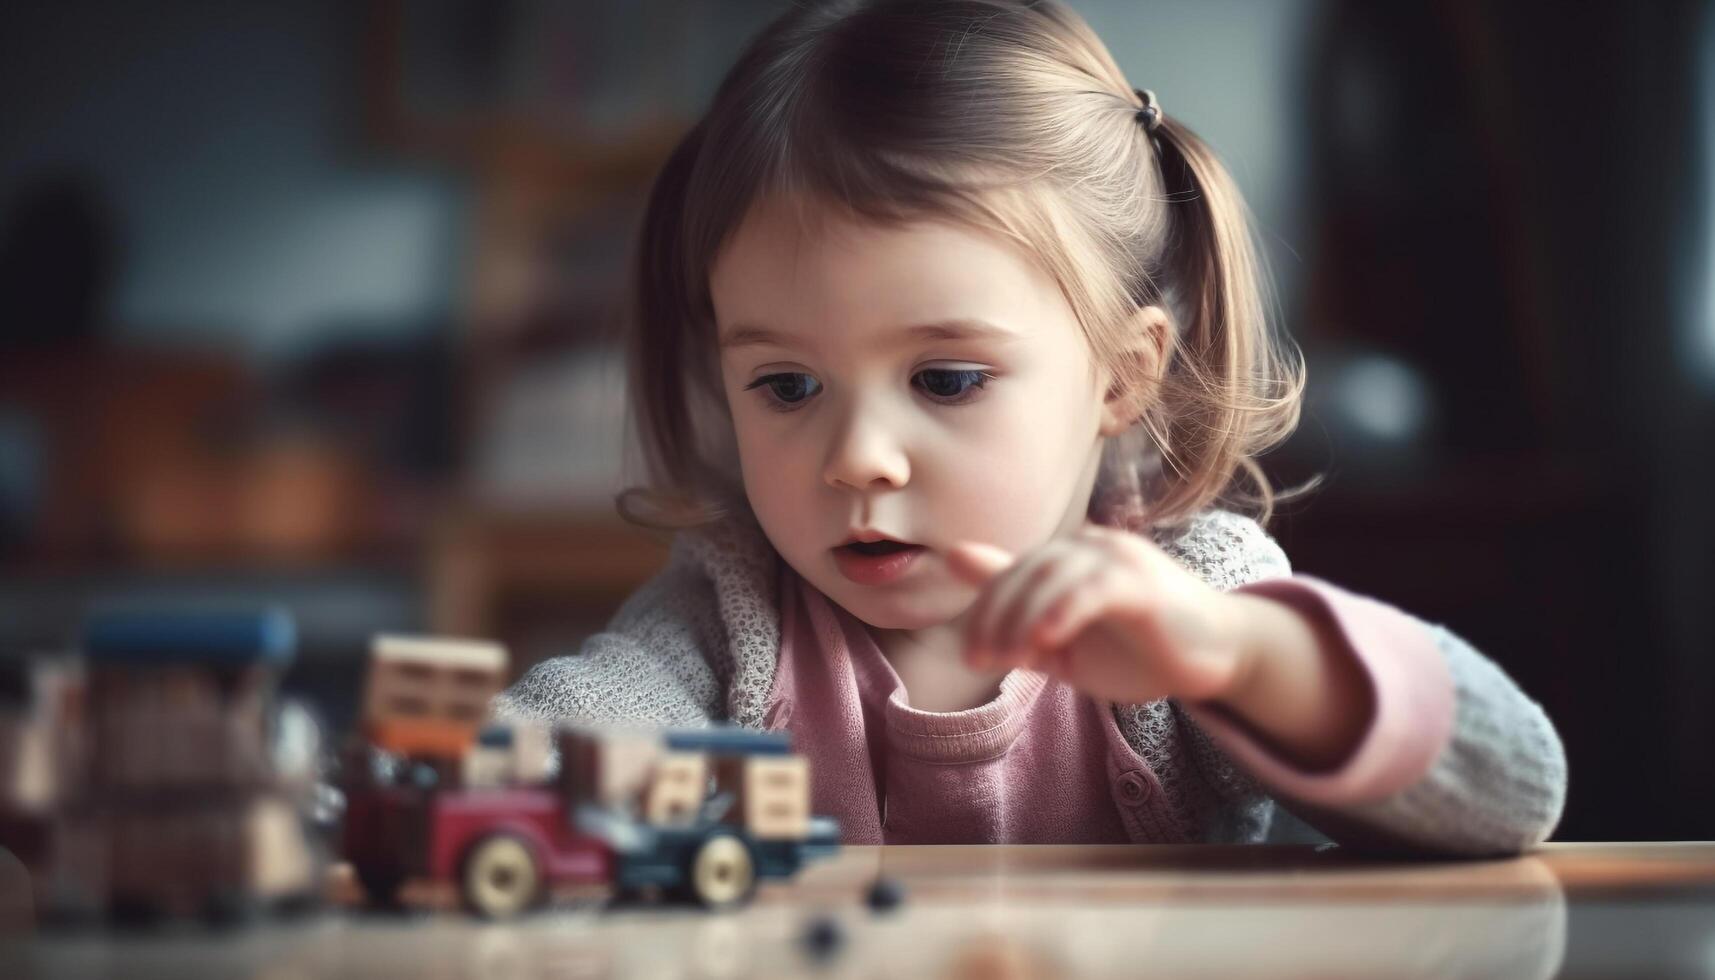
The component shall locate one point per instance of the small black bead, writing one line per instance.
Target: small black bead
(885, 895)
(823, 937)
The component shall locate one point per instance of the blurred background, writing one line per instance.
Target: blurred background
(317, 303)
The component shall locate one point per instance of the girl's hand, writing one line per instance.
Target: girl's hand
(1108, 612)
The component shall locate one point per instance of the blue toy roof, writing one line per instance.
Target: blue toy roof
(232, 638)
(729, 740)
(495, 736)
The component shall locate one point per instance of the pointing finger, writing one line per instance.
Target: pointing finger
(977, 563)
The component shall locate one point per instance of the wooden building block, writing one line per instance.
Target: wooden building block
(57, 762)
(775, 797)
(513, 754)
(269, 847)
(484, 767)
(677, 788)
(606, 767)
(186, 726)
(125, 747)
(423, 680)
(179, 856)
(532, 751)
(25, 770)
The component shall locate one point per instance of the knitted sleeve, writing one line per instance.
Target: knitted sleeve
(1492, 782)
(1497, 787)
(693, 645)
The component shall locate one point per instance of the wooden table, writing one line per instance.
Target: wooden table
(1026, 911)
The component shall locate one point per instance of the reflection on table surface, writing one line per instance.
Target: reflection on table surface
(1022, 911)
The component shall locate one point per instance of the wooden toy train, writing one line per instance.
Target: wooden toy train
(432, 793)
(143, 781)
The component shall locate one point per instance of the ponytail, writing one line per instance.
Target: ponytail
(1229, 393)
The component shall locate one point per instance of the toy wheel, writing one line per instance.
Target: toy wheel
(722, 872)
(500, 877)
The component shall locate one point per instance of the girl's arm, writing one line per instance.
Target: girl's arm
(1450, 757)
(1378, 727)
(1302, 690)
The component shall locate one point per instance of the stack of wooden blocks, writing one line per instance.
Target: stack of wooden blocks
(171, 805)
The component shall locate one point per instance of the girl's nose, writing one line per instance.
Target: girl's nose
(865, 454)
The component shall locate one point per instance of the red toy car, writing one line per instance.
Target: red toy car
(705, 815)
(701, 813)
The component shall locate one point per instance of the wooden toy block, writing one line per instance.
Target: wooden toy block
(51, 757)
(532, 752)
(178, 725)
(676, 788)
(186, 857)
(774, 796)
(25, 769)
(511, 754)
(485, 767)
(276, 863)
(171, 804)
(606, 768)
(429, 696)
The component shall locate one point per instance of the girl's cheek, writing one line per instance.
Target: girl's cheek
(1000, 435)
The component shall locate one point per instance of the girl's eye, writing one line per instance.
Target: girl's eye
(951, 385)
(787, 388)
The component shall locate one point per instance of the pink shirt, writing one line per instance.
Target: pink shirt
(1042, 763)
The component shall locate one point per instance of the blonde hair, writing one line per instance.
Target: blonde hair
(1011, 117)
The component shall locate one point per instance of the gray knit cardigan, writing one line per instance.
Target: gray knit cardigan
(699, 642)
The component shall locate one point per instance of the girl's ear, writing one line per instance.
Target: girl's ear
(1151, 331)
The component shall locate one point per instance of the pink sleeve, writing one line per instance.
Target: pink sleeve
(1413, 691)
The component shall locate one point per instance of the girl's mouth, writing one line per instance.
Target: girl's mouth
(876, 562)
(872, 548)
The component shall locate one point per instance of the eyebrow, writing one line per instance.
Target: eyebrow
(747, 335)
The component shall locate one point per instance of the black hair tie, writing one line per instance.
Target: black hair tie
(1150, 112)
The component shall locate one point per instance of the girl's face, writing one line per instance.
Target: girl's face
(926, 384)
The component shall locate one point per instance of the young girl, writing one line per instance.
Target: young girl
(949, 348)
